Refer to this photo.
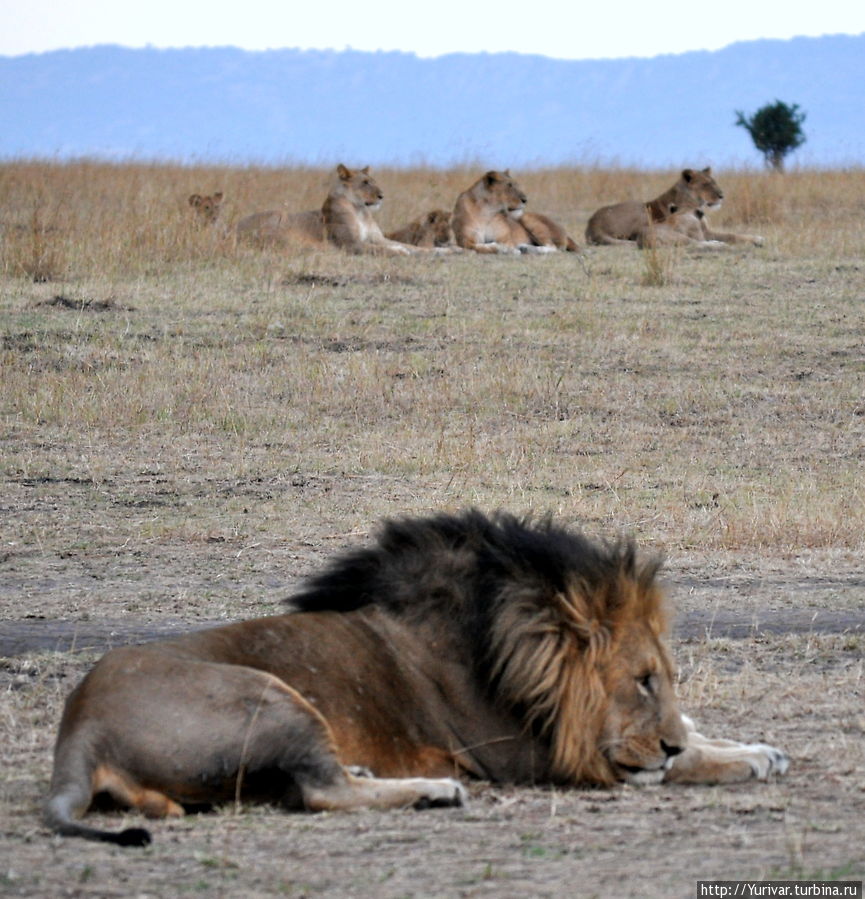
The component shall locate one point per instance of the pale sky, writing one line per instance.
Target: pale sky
(565, 29)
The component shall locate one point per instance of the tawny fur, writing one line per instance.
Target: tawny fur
(490, 217)
(207, 206)
(680, 210)
(345, 220)
(431, 230)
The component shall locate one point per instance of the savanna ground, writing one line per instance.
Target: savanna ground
(188, 427)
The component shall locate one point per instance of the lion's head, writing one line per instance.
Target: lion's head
(502, 193)
(207, 206)
(698, 190)
(359, 187)
(585, 659)
(437, 230)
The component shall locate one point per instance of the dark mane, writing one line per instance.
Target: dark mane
(457, 564)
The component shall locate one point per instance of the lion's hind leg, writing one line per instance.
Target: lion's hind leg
(151, 803)
(350, 792)
(709, 761)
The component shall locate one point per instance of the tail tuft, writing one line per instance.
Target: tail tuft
(132, 836)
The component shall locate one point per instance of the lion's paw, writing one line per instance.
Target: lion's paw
(767, 760)
(442, 794)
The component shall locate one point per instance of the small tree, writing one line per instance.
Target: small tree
(776, 130)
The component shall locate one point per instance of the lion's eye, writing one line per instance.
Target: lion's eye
(646, 683)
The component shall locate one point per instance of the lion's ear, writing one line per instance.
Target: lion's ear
(490, 178)
(343, 172)
(707, 170)
(507, 173)
(217, 197)
(365, 170)
(688, 174)
(195, 200)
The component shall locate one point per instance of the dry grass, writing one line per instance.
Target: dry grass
(189, 426)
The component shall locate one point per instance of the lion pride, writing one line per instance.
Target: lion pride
(456, 646)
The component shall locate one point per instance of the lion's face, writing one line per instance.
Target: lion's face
(643, 727)
(703, 188)
(437, 224)
(503, 193)
(360, 187)
(207, 206)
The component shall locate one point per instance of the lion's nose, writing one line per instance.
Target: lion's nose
(671, 750)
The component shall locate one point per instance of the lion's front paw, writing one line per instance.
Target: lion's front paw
(442, 794)
(767, 760)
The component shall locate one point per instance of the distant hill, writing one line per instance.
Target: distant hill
(295, 106)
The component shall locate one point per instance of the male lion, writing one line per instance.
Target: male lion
(678, 211)
(345, 219)
(491, 217)
(497, 648)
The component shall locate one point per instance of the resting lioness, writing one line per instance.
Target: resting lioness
(626, 222)
(283, 227)
(345, 219)
(490, 217)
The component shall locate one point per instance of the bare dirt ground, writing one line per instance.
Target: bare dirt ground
(188, 429)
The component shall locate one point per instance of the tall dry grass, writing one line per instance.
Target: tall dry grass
(87, 218)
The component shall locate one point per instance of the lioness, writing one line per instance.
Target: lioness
(345, 219)
(431, 230)
(490, 217)
(283, 227)
(498, 648)
(626, 222)
(206, 206)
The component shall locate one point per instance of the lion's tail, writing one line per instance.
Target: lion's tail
(60, 818)
(70, 796)
(571, 246)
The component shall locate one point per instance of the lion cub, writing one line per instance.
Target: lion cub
(207, 206)
(431, 230)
